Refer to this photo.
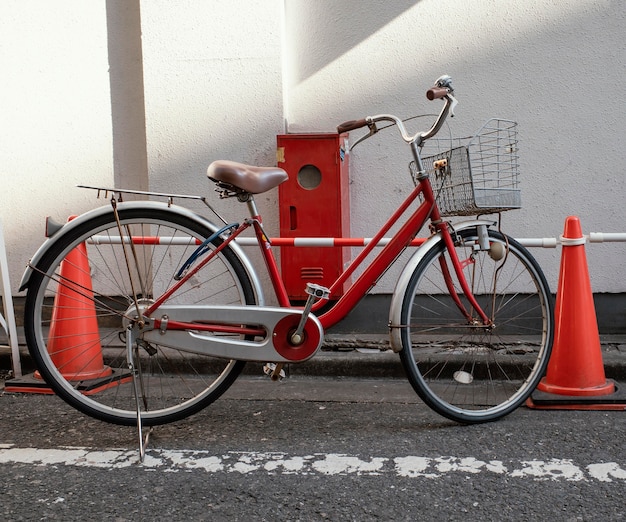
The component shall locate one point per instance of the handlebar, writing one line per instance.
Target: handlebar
(435, 93)
(351, 125)
(442, 90)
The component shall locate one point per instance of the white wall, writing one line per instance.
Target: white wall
(221, 78)
(55, 117)
(213, 90)
(555, 67)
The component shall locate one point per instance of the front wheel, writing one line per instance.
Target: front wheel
(84, 291)
(462, 369)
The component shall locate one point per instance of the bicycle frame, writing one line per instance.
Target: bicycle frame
(385, 258)
(372, 273)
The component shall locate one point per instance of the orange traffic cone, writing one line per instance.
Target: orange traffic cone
(575, 377)
(74, 338)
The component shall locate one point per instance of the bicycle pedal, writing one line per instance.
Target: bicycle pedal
(317, 291)
(269, 369)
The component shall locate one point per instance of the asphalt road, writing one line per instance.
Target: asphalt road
(312, 449)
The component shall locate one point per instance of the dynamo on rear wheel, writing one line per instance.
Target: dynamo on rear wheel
(462, 370)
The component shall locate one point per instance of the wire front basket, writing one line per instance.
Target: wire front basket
(476, 175)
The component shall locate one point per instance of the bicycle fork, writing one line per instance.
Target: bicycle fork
(458, 266)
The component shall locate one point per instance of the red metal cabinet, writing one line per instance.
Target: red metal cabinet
(313, 202)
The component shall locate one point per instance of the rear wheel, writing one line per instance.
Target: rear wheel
(80, 297)
(463, 370)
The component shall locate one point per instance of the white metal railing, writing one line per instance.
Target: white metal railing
(529, 242)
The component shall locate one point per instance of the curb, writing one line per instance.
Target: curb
(361, 356)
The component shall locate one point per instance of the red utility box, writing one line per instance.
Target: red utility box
(313, 202)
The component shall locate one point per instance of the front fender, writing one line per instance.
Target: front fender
(395, 310)
(148, 206)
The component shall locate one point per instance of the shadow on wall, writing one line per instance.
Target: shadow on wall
(345, 33)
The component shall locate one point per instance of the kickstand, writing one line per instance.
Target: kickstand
(143, 441)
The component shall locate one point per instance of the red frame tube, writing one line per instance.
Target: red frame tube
(372, 273)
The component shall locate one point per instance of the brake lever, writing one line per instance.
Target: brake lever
(373, 130)
(453, 103)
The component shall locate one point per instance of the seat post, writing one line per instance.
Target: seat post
(254, 213)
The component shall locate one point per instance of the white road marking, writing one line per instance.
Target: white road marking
(278, 463)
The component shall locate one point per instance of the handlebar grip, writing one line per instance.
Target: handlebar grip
(435, 93)
(351, 125)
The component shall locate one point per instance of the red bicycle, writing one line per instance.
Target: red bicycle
(176, 308)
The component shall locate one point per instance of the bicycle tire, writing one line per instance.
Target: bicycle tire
(174, 384)
(466, 372)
